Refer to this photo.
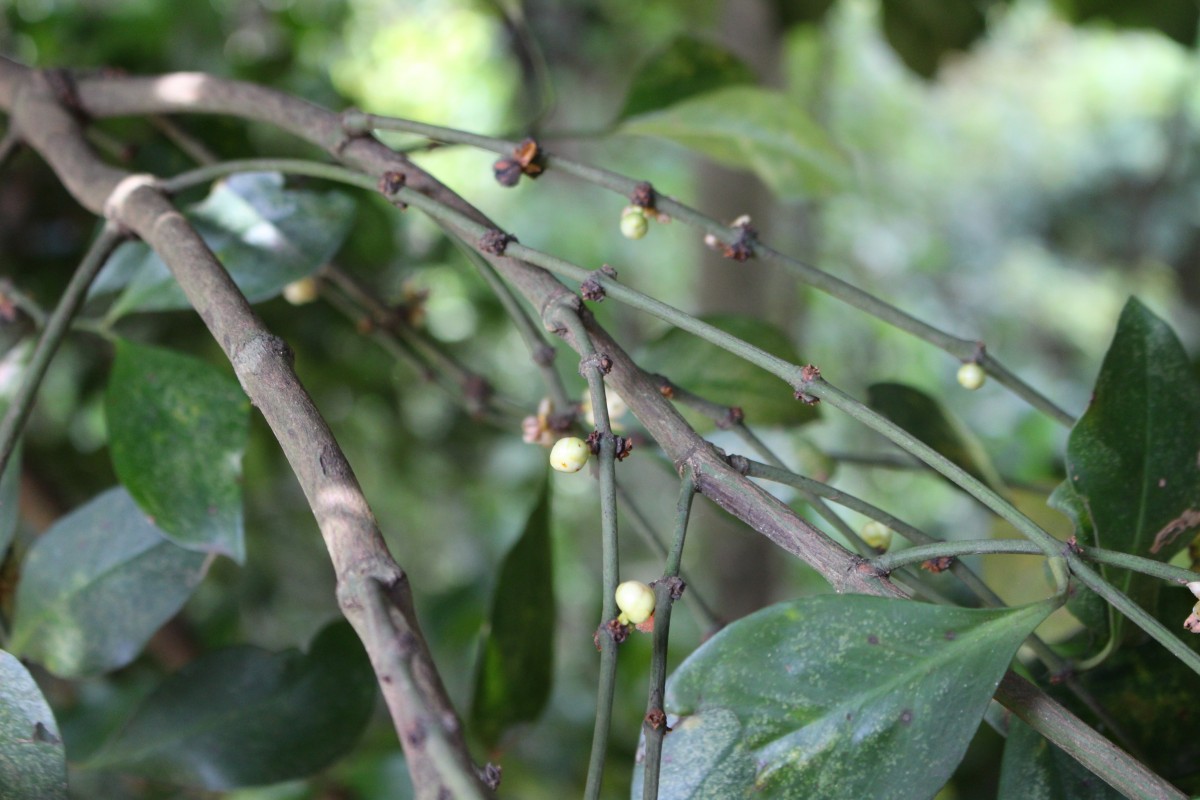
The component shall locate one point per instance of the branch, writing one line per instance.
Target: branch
(263, 364)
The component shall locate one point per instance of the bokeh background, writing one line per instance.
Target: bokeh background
(1016, 173)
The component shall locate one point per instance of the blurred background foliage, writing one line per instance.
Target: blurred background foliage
(1015, 171)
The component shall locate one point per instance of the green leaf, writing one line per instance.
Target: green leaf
(516, 665)
(836, 696)
(684, 68)
(177, 430)
(756, 129)
(1132, 456)
(1036, 769)
(928, 420)
(33, 762)
(244, 717)
(922, 33)
(97, 585)
(266, 236)
(721, 377)
(10, 485)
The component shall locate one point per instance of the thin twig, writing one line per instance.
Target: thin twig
(56, 328)
(666, 590)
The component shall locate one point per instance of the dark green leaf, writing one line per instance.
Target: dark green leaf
(245, 717)
(33, 762)
(800, 12)
(1035, 769)
(836, 696)
(97, 585)
(10, 484)
(721, 377)
(516, 663)
(925, 418)
(177, 429)
(1177, 19)
(266, 236)
(1132, 456)
(685, 68)
(756, 129)
(923, 32)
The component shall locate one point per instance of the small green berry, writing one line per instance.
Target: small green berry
(633, 223)
(569, 454)
(971, 375)
(636, 601)
(877, 535)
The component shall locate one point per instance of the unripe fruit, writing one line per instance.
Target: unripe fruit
(636, 601)
(633, 223)
(877, 535)
(569, 454)
(971, 375)
(300, 292)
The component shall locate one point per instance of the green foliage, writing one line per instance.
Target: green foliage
(722, 377)
(97, 585)
(246, 717)
(32, 760)
(756, 129)
(928, 420)
(922, 33)
(685, 68)
(848, 696)
(265, 235)
(515, 671)
(1132, 457)
(1177, 19)
(177, 429)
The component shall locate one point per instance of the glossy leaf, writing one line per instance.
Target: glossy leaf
(1132, 458)
(928, 420)
(836, 696)
(97, 585)
(245, 717)
(721, 377)
(923, 33)
(10, 485)
(516, 665)
(756, 129)
(33, 762)
(177, 429)
(1035, 769)
(685, 68)
(265, 235)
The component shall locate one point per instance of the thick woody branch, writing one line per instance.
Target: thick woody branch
(373, 590)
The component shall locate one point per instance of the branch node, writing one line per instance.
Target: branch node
(741, 248)
(613, 629)
(599, 361)
(526, 160)
(495, 241)
(808, 375)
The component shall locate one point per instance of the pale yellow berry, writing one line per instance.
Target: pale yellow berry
(636, 601)
(877, 535)
(569, 454)
(633, 223)
(300, 292)
(971, 375)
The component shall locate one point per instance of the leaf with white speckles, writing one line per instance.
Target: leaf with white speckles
(836, 696)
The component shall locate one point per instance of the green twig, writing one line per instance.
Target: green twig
(666, 590)
(963, 349)
(590, 366)
(706, 618)
(53, 333)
